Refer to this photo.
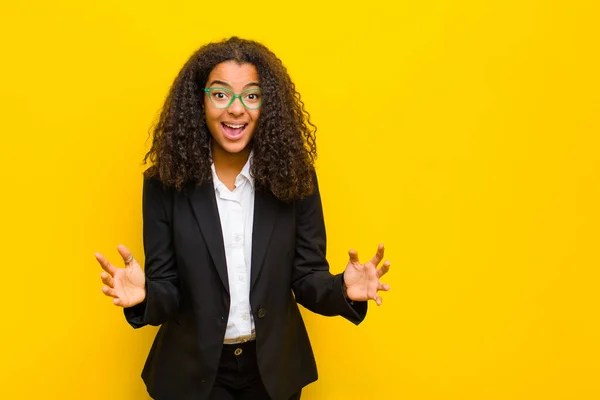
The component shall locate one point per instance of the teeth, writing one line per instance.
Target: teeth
(233, 126)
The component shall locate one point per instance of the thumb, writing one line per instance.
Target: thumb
(353, 256)
(125, 253)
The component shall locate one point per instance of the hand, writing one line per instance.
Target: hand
(362, 280)
(127, 285)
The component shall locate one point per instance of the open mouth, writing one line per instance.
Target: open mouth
(233, 131)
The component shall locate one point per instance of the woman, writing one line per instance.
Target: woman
(234, 236)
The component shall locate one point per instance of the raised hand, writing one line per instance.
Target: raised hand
(126, 285)
(362, 280)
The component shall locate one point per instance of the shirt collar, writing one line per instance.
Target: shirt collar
(245, 172)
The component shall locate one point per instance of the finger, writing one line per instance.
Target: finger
(373, 295)
(107, 279)
(118, 302)
(378, 255)
(384, 269)
(378, 299)
(353, 256)
(108, 267)
(383, 286)
(109, 292)
(125, 253)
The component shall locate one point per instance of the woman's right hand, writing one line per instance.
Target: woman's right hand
(126, 285)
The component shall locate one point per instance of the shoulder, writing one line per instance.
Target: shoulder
(311, 201)
(153, 187)
(153, 182)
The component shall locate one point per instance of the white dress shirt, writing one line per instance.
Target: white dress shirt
(236, 212)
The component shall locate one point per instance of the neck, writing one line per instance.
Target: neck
(229, 165)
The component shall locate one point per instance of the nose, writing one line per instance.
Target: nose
(236, 108)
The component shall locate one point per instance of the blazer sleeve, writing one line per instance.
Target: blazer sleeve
(162, 293)
(313, 285)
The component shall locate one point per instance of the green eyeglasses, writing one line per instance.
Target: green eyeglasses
(223, 98)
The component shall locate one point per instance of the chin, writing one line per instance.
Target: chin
(236, 149)
(233, 148)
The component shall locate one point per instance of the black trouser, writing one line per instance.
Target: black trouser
(238, 377)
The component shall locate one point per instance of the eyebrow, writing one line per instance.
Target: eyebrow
(222, 83)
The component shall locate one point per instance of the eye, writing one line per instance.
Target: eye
(219, 94)
(253, 96)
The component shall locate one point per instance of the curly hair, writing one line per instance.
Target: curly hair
(284, 142)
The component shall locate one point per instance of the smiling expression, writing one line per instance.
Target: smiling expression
(231, 128)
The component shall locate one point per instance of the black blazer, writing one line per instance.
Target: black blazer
(187, 290)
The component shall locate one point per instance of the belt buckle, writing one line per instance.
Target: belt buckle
(240, 339)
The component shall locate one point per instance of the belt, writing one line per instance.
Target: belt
(240, 339)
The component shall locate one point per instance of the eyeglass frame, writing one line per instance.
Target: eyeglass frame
(233, 97)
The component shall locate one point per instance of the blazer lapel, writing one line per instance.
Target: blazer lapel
(204, 206)
(266, 208)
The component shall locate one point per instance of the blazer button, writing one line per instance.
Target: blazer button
(262, 312)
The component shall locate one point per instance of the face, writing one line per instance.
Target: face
(231, 128)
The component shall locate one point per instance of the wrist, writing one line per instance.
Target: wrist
(345, 291)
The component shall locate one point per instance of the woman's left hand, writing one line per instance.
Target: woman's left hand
(362, 280)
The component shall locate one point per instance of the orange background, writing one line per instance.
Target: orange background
(462, 134)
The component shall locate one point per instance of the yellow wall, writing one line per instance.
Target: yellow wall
(463, 134)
